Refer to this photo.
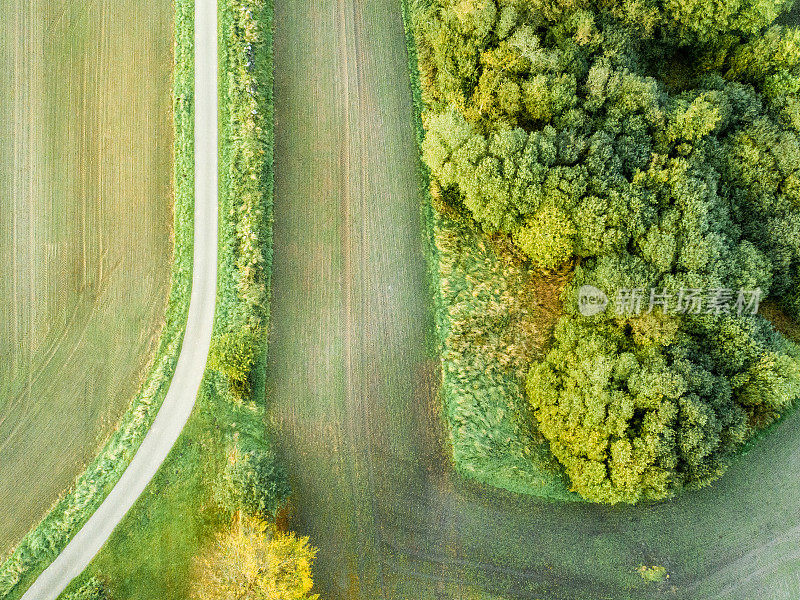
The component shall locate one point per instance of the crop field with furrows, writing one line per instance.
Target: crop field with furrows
(353, 385)
(85, 233)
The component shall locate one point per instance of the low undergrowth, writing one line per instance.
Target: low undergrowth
(490, 333)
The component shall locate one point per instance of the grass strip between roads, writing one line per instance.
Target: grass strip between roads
(43, 543)
(178, 514)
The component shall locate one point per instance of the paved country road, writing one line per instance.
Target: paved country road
(185, 383)
(351, 385)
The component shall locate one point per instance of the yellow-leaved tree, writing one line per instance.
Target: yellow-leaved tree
(253, 561)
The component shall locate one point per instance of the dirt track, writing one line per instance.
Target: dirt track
(352, 388)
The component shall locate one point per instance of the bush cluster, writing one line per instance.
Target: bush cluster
(92, 589)
(253, 481)
(654, 145)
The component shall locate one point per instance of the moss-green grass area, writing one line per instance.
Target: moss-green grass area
(86, 235)
(151, 553)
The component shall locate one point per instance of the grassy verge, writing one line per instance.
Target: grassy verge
(178, 514)
(481, 326)
(40, 546)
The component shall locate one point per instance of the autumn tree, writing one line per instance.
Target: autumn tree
(253, 561)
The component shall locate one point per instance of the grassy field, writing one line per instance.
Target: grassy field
(86, 213)
(352, 385)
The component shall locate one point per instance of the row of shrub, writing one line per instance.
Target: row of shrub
(251, 557)
(653, 145)
(42, 544)
(245, 194)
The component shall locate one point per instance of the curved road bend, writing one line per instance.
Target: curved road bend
(350, 384)
(185, 383)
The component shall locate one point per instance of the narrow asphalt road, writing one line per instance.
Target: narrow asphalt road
(185, 383)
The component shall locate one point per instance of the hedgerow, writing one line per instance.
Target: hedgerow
(43, 543)
(245, 190)
(92, 589)
(653, 146)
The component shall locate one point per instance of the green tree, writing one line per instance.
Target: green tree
(652, 145)
(253, 481)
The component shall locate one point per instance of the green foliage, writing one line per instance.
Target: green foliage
(253, 481)
(93, 589)
(653, 574)
(641, 414)
(245, 194)
(547, 238)
(653, 145)
(233, 354)
(246, 147)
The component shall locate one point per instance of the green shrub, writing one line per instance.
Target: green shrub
(253, 481)
(654, 573)
(93, 589)
(233, 355)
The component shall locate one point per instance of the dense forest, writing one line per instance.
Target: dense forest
(642, 145)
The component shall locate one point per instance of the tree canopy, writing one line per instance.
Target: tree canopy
(252, 561)
(656, 145)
